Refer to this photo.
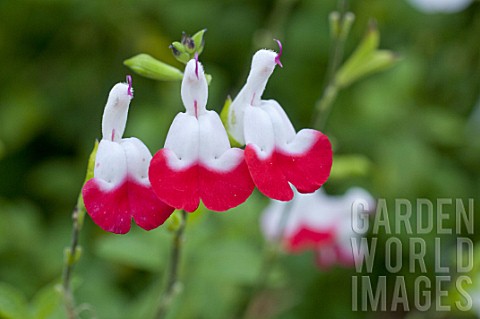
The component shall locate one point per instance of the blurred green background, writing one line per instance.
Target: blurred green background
(417, 125)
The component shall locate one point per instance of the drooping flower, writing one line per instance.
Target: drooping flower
(197, 161)
(319, 222)
(275, 154)
(120, 189)
(444, 6)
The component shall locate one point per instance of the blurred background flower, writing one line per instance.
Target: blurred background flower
(446, 6)
(319, 222)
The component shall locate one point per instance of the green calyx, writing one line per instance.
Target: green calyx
(80, 209)
(189, 46)
(224, 116)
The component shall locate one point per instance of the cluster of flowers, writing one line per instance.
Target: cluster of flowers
(197, 161)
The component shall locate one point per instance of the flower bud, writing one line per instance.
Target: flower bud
(152, 68)
(334, 21)
(340, 24)
(72, 259)
(347, 22)
(188, 43)
(199, 41)
(189, 46)
(180, 52)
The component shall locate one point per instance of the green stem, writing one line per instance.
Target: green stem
(324, 104)
(271, 256)
(171, 288)
(68, 268)
(276, 22)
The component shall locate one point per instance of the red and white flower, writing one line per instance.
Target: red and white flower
(319, 222)
(197, 162)
(120, 189)
(275, 153)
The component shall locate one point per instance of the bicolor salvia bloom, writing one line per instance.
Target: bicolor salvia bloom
(197, 161)
(120, 189)
(319, 222)
(275, 154)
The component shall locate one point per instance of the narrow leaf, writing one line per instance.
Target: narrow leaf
(12, 303)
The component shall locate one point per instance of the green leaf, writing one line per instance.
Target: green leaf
(152, 68)
(225, 121)
(46, 301)
(376, 62)
(360, 56)
(236, 262)
(346, 166)
(365, 60)
(368, 45)
(13, 304)
(138, 249)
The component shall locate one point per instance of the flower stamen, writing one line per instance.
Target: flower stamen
(279, 55)
(129, 81)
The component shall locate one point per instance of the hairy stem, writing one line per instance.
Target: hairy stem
(324, 104)
(69, 264)
(171, 288)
